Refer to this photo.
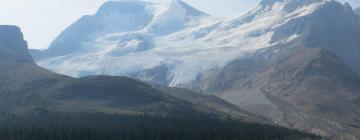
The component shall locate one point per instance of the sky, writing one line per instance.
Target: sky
(43, 20)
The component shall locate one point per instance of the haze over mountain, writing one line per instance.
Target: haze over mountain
(357, 11)
(292, 61)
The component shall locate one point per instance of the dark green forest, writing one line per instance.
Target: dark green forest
(115, 127)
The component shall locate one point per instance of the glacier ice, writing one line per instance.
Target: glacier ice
(130, 38)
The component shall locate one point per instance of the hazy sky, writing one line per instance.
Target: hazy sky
(42, 20)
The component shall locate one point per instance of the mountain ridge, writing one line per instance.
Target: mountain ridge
(139, 16)
(233, 58)
(308, 89)
(45, 105)
(213, 38)
(28, 88)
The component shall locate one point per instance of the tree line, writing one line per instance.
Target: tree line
(124, 127)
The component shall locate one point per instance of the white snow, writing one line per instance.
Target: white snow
(189, 43)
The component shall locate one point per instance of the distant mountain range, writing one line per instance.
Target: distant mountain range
(39, 104)
(296, 62)
(25, 87)
(104, 44)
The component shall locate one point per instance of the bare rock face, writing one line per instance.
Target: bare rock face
(12, 44)
(309, 89)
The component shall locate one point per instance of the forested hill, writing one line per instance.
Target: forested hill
(115, 127)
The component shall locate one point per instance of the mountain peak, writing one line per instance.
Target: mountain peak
(176, 4)
(288, 5)
(123, 6)
(12, 44)
(174, 1)
(269, 2)
(173, 16)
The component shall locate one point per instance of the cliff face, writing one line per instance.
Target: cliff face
(12, 44)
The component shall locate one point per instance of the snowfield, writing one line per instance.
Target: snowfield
(136, 39)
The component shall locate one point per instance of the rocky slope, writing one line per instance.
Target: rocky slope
(309, 89)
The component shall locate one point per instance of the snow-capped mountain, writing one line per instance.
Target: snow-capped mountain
(235, 58)
(40, 89)
(127, 17)
(174, 44)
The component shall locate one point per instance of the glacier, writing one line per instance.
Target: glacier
(136, 39)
